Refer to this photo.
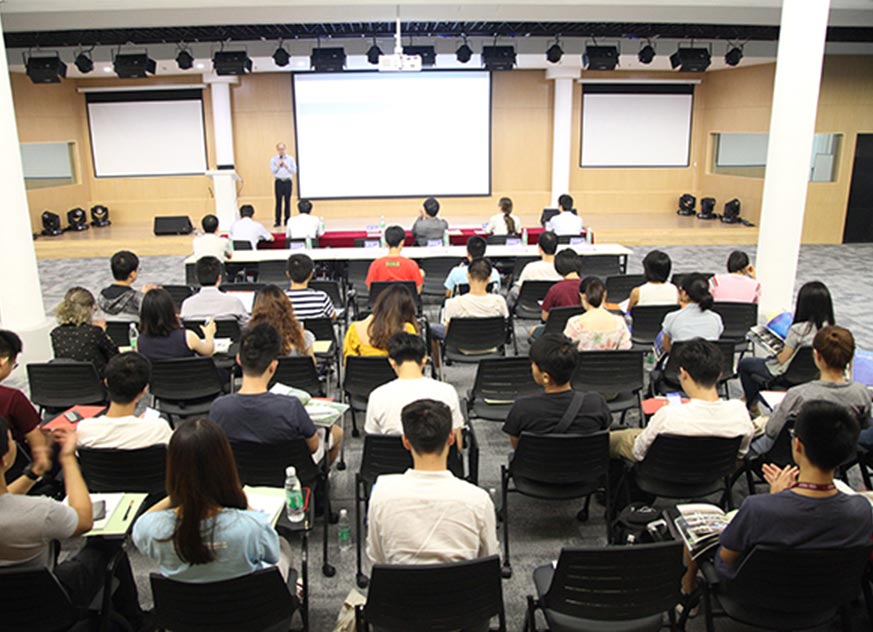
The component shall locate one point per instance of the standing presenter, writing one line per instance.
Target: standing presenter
(283, 168)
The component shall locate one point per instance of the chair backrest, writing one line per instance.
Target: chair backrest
(738, 318)
(647, 321)
(242, 287)
(504, 379)
(185, 379)
(377, 287)
(265, 463)
(33, 599)
(272, 272)
(609, 372)
(363, 374)
(62, 384)
(602, 266)
(360, 242)
(321, 328)
(780, 452)
(313, 242)
(476, 335)
(558, 318)
(299, 372)
(224, 328)
(436, 270)
(356, 275)
(801, 369)
(619, 286)
(690, 460)
(383, 454)
(242, 244)
(464, 288)
(435, 597)
(179, 293)
(119, 331)
(500, 240)
(257, 601)
(616, 583)
(561, 459)
(530, 298)
(671, 369)
(111, 470)
(332, 289)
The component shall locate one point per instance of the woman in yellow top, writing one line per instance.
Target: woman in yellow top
(393, 311)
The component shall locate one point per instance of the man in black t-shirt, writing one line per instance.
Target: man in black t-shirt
(553, 360)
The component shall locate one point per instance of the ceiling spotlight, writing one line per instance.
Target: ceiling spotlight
(281, 56)
(707, 209)
(464, 52)
(687, 204)
(732, 212)
(231, 62)
(51, 224)
(600, 57)
(45, 69)
(733, 56)
(100, 216)
(328, 59)
(427, 54)
(185, 59)
(77, 219)
(691, 59)
(498, 57)
(646, 54)
(374, 53)
(134, 65)
(554, 53)
(84, 63)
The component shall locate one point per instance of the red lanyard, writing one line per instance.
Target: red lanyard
(816, 487)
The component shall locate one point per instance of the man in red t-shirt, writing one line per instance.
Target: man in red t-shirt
(15, 408)
(394, 267)
(564, 293)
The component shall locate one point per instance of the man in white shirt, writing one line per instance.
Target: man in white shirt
(477, 303)
(427, 515)
(127, 378)
(566, 222)
(210, 302)
(247, 229)
(304, 225)
(705, 415)
(407, 355)
(209, 244)
(542, 270)
(283, 168)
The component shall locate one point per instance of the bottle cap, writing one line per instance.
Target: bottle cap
(290, 471)
(343, 513)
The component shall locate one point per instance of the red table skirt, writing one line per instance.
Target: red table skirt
(346, 238)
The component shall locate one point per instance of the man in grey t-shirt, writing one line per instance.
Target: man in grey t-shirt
(429, 227)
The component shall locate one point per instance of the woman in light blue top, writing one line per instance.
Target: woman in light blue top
(696, 319)
(203, 531)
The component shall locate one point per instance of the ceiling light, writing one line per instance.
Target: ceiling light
(185, 59)
(328, 59)
(231, 62)
(600, 57)
(427, 54)
(733, 56)
(554, 53)
(46, 69)
(281, 57)
(691, 59)
(464, 53)
(84, 63)
(646, 54)
(498, 57)
(134, 65)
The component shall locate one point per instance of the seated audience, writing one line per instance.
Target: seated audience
(564, 293)
(210, 302)
(458, 275)
(254, 414)
(16, 409)
(504, 222)
(30, 524)
(542, 270)
(273, 307)
(77, 336)
(394, 311)
(739, 284)
(308, 303)
(427, 515)
(833, 350)
(706, 415)
(203, 531)
(209, 244)
(304, 225)
(395, 267)
(429, 227)
(656, 290)
(553, 361)
(477, 303)
(696, 319)
(597, 329)
(566, 222)
(407, 355)
(127, 380)
(813, 311)
(247, 229)
(161, 335)
(120, 301)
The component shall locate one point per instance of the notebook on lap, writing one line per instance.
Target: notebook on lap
(772, 335)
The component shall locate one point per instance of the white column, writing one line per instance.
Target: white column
(224, 178)
(21, 306)
(792, 126)
(562, 123)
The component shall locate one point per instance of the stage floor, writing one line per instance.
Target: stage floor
(627, 229)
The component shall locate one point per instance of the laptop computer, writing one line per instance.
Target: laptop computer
(772, 335)
(862, 368)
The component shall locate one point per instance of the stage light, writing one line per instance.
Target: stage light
(707, 208)
(646, 54)
(691, 59)
(731, 212)
(231, 62)
(45, 69)
(464, 53)
(687, 204)
(733, 56)
(134, 65)
(51, 224)
(554, 53)
(427, 54)
(77, 219)
(498, 57)
(84, 63)
(600, 57)
(328, 59)
(99, 216)
(374, 53)
(281, 57)
(185, 60)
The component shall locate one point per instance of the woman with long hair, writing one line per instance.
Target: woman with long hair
(273, 307)
(78, 336)
(657, 290)
(504, 222)
(394, 311)
(203, 531)
(696, 318)
(161, 335)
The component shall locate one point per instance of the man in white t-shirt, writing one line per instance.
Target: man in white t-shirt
(304, 225)
(544, 269)
(566, 222)
(427, 515)
(247, 229)
(706, 415)
(477, 303)
(407, 355)
(209, 244)
(127, 378)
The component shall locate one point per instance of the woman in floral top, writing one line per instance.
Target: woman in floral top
(597, 329)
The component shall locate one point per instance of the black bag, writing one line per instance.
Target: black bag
(639, 523)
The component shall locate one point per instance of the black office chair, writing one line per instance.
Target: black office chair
(323, 330)
(779, 454)
(242, 287)
(558, 318)
(666, 379)
(475, 339)
(275, 272)
(60, 384)
(362, 375)
(617, 375)
(436, 270)
(292, 243)
(299, 372)
(433, 597)
(334, 290)
(602, 266)
(498, 383)
(801, 369)
(367, 242)
(112, 470)
(501, 240)
(185, 386)
(257, 601)
(224, 328)
(179, 293)
(464, 288)
(647, 321)
(243, 244)
(571, 239)
(738, 319)
(377, 287)
(617, 588)
(556, 467)
(530, 298)
(119, 331)
(619, 286)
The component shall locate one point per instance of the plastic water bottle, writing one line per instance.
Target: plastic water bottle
(321, 227)
(308, 243)
(446, 239)
(524, 236)
(132, 335)
(293, 496)
(589, 236)
(382, 231)
(344, 531)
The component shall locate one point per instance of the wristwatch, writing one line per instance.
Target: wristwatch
(29, 473)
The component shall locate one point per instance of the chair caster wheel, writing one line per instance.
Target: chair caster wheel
(327, 570)
(506, 571)
(362, 580)
(341, 466)
(582, 515)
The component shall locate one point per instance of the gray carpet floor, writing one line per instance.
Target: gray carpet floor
(538, 529)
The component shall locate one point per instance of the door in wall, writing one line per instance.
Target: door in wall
(859, 214)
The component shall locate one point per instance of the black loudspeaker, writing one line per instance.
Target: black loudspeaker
(173, 225)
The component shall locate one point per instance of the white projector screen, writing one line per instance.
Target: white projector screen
(147, 134)
(393, 134)
(627, 126)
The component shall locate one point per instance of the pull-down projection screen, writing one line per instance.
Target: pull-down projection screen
(147, 133)
(393, 134)
(636, 125)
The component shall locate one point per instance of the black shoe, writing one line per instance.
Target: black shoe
(276, 225)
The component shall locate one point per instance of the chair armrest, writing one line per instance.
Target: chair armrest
(710, 575)
(472, 454)
(465, 412)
